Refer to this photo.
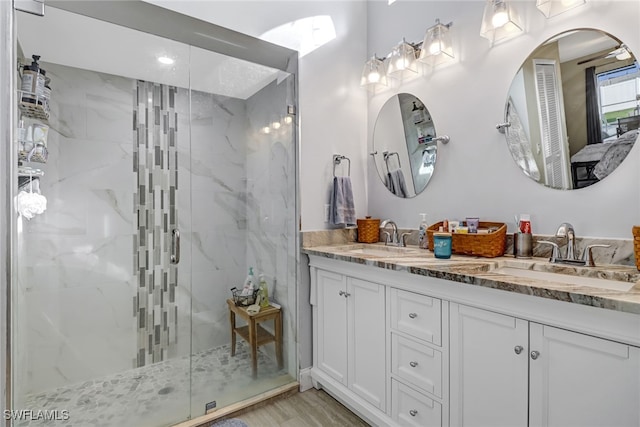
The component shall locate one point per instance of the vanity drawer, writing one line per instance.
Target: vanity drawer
(411, 408)
(417, 364)
(417, 315)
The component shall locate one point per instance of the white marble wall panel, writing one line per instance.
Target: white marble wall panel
(75, 262)
(271, 201)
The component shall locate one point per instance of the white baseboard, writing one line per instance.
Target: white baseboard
(305, 379)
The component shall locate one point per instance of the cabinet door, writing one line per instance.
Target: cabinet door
(332, 325)
(367, 353)
(580, 380)
(489, 375)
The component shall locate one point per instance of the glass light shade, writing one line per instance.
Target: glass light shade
(436, 46)
(401, 60)
(550, 8)
(373, 74)
(499, 21)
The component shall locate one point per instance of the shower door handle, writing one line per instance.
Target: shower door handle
(175, 246)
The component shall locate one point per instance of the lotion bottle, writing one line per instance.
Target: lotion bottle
(423, 241)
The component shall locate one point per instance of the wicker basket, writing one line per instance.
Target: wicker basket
(487, 245)
(368, 230)
(636, 244)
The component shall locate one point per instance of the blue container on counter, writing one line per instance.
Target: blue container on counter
(442, 245)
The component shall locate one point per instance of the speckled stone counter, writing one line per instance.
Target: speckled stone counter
(485, 272)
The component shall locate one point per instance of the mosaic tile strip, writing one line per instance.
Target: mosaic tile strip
(154, 166)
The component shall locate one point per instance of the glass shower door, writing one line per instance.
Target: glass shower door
(242, 171)
(165, 183)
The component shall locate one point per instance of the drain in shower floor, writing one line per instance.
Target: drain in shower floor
(165, 390)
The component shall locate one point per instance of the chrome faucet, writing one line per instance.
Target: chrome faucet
(392, 238)
(566, 230)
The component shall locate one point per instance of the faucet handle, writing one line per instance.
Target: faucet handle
(555, 251)
(387, 238)
(587, 255)
(403, 239)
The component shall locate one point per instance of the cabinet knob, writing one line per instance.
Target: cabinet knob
(518, 349)
(347, 294)
(535, 354)
(413, 364)
(413, 412)
(341, 293)
(413, 315)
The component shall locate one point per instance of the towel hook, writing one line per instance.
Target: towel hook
(337, 159)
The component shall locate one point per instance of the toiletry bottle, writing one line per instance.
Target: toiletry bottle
(33, 78)
(263, 291)
(423, 241)
(249, 283)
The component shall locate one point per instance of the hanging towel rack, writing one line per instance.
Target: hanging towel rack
(386, 155)
(337, 159)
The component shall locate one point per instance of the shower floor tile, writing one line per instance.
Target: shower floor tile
(160, 394)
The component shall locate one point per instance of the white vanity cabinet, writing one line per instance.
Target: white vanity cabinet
(419, 360)
(501, 365)
(350, 334)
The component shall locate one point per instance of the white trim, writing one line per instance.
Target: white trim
(305, 380)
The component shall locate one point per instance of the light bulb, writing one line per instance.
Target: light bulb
(373, 77)
(499, 19)
(623, 55)
(275, 125)
(266, 129)
(165, 60)
(401, 64)
(288, 120)
(434, 48)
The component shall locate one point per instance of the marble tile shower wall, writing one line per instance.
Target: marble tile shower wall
(74, 261)
(271, 201)
(214, 234)
(75, 264)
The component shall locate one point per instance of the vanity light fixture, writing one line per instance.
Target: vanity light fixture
(499, 21)
(551, 8)
(436, 46)
(373, 73)
(401, 60)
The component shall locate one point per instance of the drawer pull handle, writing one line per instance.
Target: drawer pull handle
(413, 315)
(535, 354)
(413, 364)
(518, 349)
(413, 412)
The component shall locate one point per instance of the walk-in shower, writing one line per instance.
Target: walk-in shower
(164, 182)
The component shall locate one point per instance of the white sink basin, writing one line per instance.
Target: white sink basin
(383, 251)
(592, 282)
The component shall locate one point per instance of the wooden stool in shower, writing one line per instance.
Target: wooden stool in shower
(255, 334)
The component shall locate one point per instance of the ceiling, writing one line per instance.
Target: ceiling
(77, 41)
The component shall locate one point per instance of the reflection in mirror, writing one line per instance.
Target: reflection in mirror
(574, 109)
(404, 149)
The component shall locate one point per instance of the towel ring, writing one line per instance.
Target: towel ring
(337, 159)
(386, 155)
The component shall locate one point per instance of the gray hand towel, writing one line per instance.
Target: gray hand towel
(342, 210)
(398, 186)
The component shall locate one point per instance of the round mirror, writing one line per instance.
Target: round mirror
(403, 147)
(573, 109)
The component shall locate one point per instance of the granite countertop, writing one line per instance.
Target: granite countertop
(485, 272)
